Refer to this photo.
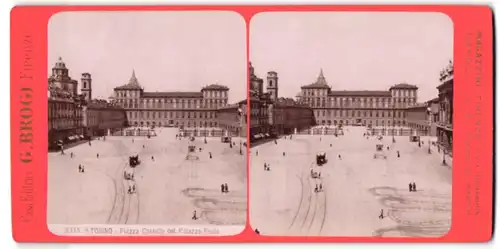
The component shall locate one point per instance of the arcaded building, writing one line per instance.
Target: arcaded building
(271, 114)
(444, 122)
(74, 116)
(175, 109)
(359, 107)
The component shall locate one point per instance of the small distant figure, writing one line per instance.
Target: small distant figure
(97, 155)
(316, 189)
(330, 145)
(319, 175)
(387, 147)
(320, 186)
(132, 140)
(71, 154)
(320, 139)
(80, 168)
(194, 215)
(265, 166)
(398, 154)
(257, 231)
(414, 187)
(129, 191)
(275, 142)
(152, 158)
(133, 188)
(340, 157)
(210, 155)
(226, 188)
(381, 216)
(222, 188)
(143, 146)
(410, 187)
(284, 153)
(200, 149)
(90, 144)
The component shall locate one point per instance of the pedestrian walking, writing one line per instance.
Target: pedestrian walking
(340, 157)
(194, 215)
(152, 158)
(284, 153)
(381, 216)
(80, 168)
(410, 187)
(226, 188)
(83, 169)
(97, 155)
(71, 154)
(414, 187)
(320, 186)
(133, 188)
(129, 191)
(398, 154)
(210, 154)
(316, 189)
(222, 188)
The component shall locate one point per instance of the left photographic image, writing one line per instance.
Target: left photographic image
(146, 123)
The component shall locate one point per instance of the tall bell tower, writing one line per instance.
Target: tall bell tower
(272, 85)
(87, 86)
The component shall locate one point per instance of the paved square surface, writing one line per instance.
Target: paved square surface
(169, 187)
(356, 187)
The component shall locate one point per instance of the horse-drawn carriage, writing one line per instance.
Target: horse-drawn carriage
(191, 148)
(321, 158)
(379, 152)
(134, 161)
(225, 139)
(315, 174)
(414, 138)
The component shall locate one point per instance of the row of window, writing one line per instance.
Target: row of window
(136, 94)
(169, 114)
(394, 93)
(64, 124)
(175, 123)
(378, 103)
(189, 104)
(358, 113)
(375, 122)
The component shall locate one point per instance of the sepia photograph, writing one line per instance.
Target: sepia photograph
(351, 124)
(146, 123)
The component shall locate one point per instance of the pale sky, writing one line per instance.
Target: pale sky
(170, 51)
(357, 51)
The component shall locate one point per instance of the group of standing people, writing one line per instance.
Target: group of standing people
(224, 188)
(412, 187)
(266, 167)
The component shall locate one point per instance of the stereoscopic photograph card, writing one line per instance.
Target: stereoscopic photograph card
(252, 123)
(360, 112)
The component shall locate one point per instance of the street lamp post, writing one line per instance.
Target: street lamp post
(444, 157)
(393, 121)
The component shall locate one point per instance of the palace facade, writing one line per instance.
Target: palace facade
(171, 109)
(363, 107)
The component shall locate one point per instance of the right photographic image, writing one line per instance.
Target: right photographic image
(351, 124)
